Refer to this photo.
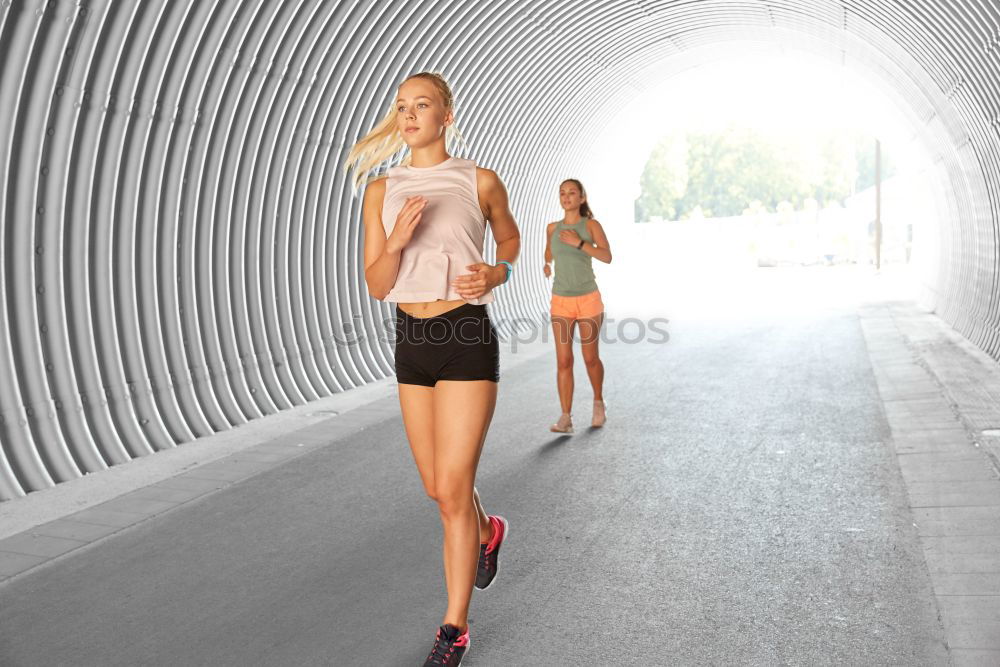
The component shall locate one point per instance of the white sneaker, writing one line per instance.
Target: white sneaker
(564, 425)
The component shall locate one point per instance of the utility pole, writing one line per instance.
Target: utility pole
(878, 204)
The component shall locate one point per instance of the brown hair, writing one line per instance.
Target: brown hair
(584, 206)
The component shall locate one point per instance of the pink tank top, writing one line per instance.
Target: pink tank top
(449, 235)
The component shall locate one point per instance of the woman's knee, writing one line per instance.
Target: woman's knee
(591, 360)
(431, 492)
(455, 502)
(564, 362)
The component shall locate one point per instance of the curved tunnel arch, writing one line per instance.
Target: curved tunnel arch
(180, 247)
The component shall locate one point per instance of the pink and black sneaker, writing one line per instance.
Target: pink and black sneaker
(489, 553)
(449, 647)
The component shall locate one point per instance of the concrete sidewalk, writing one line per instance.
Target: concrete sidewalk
(941, 396)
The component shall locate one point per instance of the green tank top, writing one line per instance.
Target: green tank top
(574, 274)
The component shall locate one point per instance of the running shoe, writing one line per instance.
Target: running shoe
(449, 647)
(564, 425)
(600, 415)
(489, 553)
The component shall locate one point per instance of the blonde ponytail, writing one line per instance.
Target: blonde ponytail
(374, 148)
(384, 140)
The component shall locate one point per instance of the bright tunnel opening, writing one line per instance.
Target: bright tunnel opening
(767, 256)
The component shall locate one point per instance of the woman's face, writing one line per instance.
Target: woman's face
(570, 197)
(421, 117)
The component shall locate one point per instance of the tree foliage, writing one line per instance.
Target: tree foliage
(737, 170)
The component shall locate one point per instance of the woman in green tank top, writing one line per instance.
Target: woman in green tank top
(573, 242)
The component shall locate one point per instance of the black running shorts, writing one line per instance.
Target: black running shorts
(460, 344)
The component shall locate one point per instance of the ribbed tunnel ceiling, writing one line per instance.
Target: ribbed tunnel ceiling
(181, 252)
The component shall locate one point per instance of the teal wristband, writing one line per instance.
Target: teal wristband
(510, 267)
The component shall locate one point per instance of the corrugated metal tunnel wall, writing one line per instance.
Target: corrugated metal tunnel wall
(180, 250)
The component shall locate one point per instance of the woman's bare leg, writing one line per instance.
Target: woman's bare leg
(417, 406)
(562, 331)
(416, 402)
(485, 527)
(590, 336)
(462, 414)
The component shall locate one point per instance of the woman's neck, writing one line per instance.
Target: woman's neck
(428, 156)
(572, 217)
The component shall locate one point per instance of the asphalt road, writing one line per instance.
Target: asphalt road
(742, 506)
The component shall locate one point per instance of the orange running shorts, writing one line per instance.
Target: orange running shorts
(575, 307)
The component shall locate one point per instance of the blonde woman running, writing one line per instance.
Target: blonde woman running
(572, 242)
(425, 223)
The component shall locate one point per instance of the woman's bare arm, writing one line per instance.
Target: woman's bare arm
(496, 207)
(600, 249)
(548, 242)
(381, 265)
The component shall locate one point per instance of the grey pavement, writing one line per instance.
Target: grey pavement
(775, 485)
(940, 395)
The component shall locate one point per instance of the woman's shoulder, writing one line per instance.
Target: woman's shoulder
(376, 185)
(488, 181)
(375, 190)
(485, 174)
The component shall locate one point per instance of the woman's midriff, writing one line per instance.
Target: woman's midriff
(429, 308)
